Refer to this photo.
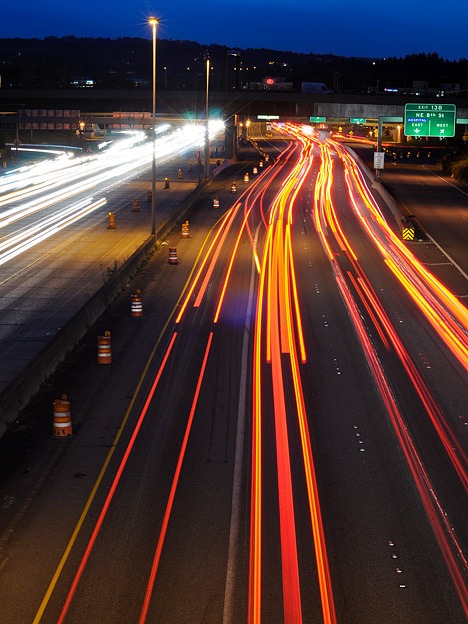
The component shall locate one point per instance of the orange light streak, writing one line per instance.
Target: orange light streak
(214, 259)
(440, 524)
(114, 485)
(290, 569)
(202, 266)
(170, 502)
(447, 315)
(278, 292)
(452, 446)
(255, 550)
(229, 270)
(300, 334)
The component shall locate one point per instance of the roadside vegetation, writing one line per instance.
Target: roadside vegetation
(455, 164)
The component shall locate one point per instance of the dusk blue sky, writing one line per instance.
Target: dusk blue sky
(367, 28)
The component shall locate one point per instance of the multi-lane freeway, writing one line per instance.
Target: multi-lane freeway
(281, 437)
(77, 220)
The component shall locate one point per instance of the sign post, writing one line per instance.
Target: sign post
(430, 120)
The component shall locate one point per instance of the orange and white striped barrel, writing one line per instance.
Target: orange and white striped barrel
(216, 202)
(104, 351)
(62, 425)
(136, 205)
(172, 255)
(137, 304)
(111, 225)
(185, 229)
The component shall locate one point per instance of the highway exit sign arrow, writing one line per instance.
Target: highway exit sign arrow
(430, 120)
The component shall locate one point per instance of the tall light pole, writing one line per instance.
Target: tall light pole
(153, 23)
(207, 131)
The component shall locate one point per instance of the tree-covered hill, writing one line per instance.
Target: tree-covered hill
(127, 63)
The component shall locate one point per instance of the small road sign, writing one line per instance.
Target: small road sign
(379, 160)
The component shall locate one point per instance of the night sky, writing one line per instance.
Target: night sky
(366, 28)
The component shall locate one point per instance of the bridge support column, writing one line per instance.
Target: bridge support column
(230, 137)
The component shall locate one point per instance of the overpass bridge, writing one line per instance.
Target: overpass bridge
(47, 108)
(191, 104)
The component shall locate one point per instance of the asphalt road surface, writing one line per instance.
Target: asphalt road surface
(281, 437)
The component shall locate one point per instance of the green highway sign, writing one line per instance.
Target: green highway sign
(318, 119)
(430, 120)
(357, 120)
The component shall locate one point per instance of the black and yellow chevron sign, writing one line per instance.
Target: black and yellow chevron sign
(408, 232)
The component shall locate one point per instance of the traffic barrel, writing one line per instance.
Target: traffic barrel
(216, 201)
(111, 225)
(136, 205)
(137, 304)
(104, 350)
(172, 255)
(149, 196)
(166, 183)
(62, 425)
(180, 175)
(185, 229)
(233, 188)
(246, 177)
(255, 171)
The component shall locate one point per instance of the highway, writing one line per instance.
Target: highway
(55, 231)
(436, 200)
(280, 438)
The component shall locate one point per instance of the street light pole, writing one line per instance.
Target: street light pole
(153, 22)
(207, 132)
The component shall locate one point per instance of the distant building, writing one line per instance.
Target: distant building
(271, 83)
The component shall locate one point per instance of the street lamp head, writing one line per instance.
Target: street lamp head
(153, 21)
